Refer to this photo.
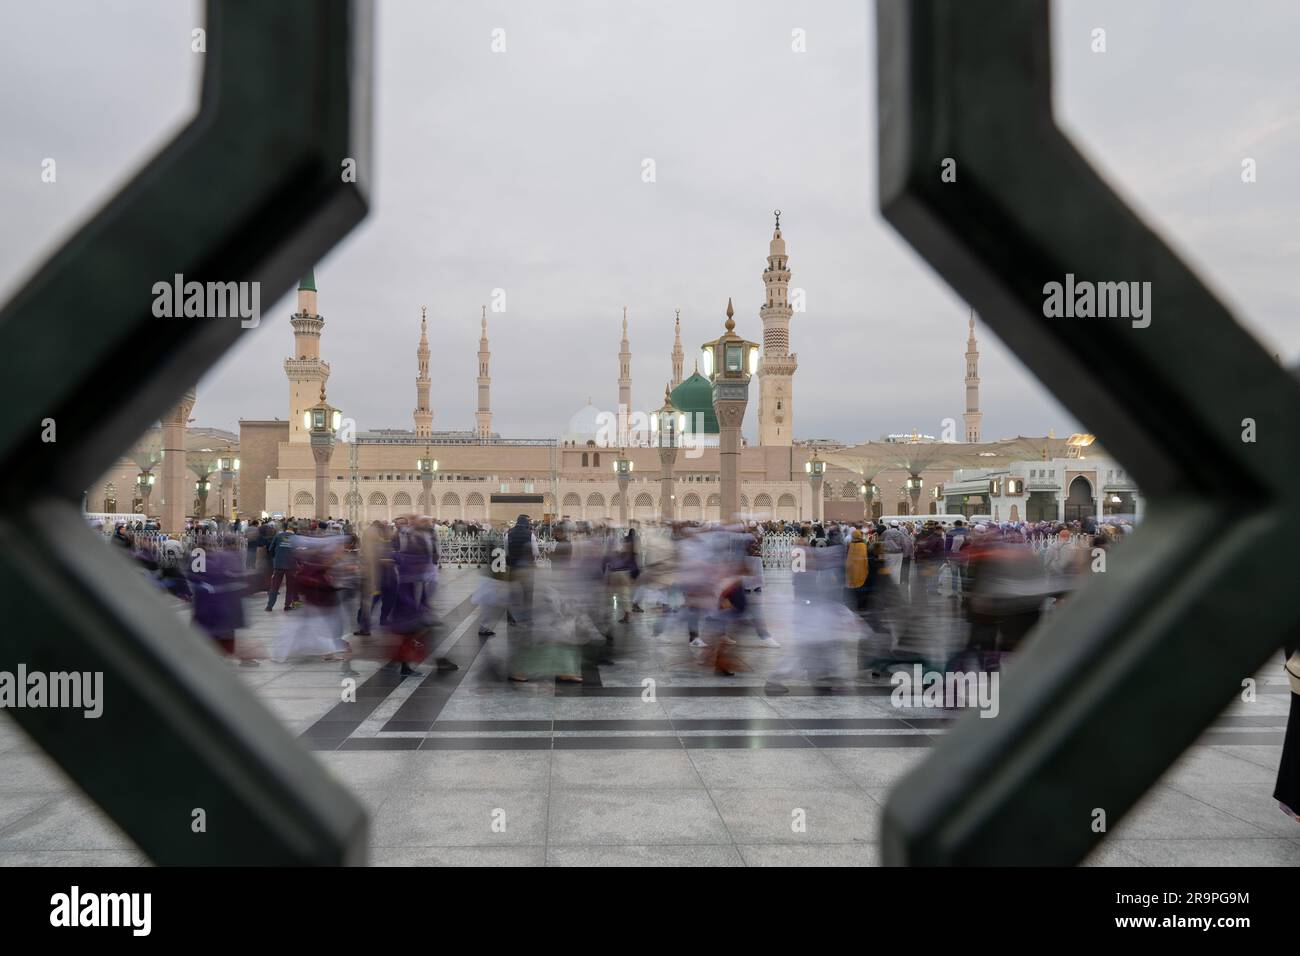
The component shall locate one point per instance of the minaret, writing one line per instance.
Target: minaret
(777, 365)
(483, 417)
(624, 384)
(306, 372)
(973, 415)
(423, 414)
(678, 356)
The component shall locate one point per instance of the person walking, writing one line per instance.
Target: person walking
(856, 571)
(368, 592)
(284, 563)
(1287, 792)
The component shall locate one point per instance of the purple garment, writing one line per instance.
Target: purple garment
(218, 593)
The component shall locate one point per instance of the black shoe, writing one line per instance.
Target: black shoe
(485, 632)
(360, 633)
(723, 672)
(406, 670)
(445, 665)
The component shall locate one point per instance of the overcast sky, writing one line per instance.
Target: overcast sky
(522, 170)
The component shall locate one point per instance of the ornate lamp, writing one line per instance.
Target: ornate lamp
(426, 467)
(322, 421)
(729, 363)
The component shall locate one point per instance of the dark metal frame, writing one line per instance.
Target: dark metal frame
(250, 190)
(1113, 689)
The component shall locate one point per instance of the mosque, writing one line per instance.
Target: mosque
(484, 477)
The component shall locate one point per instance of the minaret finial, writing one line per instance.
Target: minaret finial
(731, 322)
(322, 391)
(678, 356)
(777, 213)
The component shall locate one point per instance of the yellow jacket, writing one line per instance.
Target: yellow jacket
(855, 565)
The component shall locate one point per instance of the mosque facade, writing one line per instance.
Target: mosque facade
(484, 477)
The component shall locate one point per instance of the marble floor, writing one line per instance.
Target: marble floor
(652, 760)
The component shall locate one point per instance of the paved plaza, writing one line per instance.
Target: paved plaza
(462, 768)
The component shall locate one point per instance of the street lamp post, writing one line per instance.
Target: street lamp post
(623, 471)
(426, 467)
(201, 488)
(914, 486)
(729, 363)
(322, 421)
(816, 470)
(144, 483)
(869, 492)
(229, 469)
(667, 422)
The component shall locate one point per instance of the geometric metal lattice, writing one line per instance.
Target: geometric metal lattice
(250, 190)
(1111, 690)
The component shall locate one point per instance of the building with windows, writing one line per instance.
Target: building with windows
(484, 476)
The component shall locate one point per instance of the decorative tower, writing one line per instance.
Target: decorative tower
(423, 414)
(483, 417)
(624, 384)
(678, 356)
(777, 365)
(306, 372)
(973, 415)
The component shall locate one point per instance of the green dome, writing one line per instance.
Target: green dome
(695, 395)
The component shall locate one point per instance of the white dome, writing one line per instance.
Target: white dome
(584, 426)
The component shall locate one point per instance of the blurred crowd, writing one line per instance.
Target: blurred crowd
(571, 595)
(854, 600)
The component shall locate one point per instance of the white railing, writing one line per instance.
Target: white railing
(475, 550)
(776, 548)
(168, 550)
